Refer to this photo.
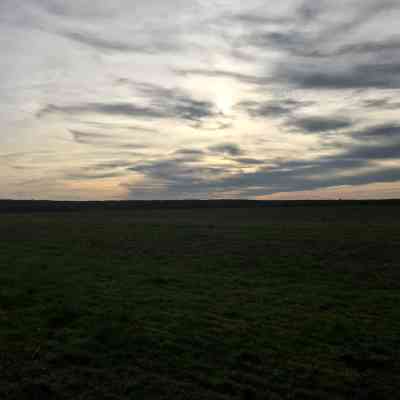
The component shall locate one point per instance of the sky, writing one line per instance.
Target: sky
(208, 99)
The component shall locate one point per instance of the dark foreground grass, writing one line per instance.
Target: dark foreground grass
(299, 303)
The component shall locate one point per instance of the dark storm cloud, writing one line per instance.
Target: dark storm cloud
(256, 18)
(296, 42)
(255, 109)
(266, 181)
(293, 42)
(319, 124)
(356, 154)
(299, 44)
(272, 108)
(379, 132)
(282, 33)
(163, 103)
(176, 172)
(182, 175)
(362, 76)
(192, 110)
(328, 55)
(287, 109)
(376, 152)
(354, 165)
(372, 48)
(316, 58)
(355, 15)
(174, 102)
(381, 104)
(197, 183)
(363, 12)
(231, 149)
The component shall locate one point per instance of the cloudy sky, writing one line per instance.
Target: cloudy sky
(173, 99)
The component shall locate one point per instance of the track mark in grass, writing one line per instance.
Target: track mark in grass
(225, 387)
(160, 281)
(247, 358)
(61, 315)
(68, 357)
(36, 391)
(363, 362)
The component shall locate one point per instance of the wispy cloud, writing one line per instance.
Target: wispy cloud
(319, 124)
(162, 103)
(218, 73)
(106, 141)
(231, 149)
(112, 45)
(276, 108)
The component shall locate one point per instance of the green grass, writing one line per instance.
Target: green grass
(299, 303)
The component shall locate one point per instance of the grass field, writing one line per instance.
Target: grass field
(272, 303)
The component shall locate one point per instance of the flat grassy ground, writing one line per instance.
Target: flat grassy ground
(274, 303)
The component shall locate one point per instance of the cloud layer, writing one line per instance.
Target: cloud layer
(182, 99)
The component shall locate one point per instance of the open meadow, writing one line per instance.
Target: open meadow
(296, 301)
